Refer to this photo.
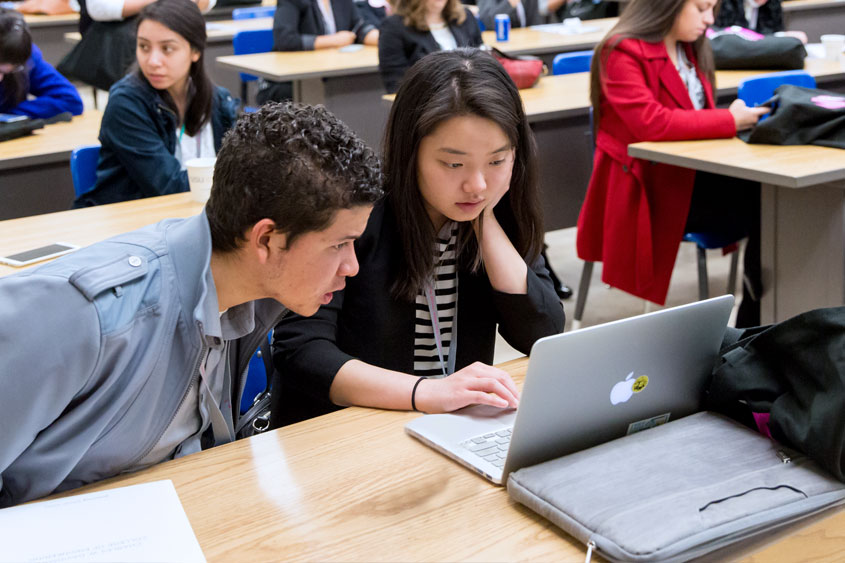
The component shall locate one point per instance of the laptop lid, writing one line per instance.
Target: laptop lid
(593, 385)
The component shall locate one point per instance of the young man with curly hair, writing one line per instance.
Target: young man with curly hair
(148, 334)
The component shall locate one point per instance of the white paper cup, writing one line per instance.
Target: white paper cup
(200, 176)
(833, 45)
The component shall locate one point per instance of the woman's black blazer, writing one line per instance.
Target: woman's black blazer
(366, 322)
(769, 16)
(297, 23)
(400, 46)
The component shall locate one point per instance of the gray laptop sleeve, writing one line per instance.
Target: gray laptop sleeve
(677, 491)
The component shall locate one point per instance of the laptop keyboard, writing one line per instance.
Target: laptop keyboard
(492, 446)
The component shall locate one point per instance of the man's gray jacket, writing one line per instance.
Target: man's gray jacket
(97, 351)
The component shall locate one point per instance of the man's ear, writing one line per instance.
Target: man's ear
(263, 240)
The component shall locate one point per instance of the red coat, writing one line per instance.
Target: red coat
(634, 214)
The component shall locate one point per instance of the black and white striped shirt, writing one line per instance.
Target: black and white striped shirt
(426, 357)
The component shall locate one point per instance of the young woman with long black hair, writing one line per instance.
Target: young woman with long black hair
(452, 253)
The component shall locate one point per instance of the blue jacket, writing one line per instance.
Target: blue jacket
(53, 93)
(99, 348)
(138, 138)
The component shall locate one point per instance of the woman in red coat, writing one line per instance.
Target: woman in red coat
(651, 80)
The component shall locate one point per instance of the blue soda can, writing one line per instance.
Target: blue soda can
(503, 27)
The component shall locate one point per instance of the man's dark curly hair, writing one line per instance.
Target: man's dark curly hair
(293, 163)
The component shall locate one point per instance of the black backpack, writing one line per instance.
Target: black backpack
(788, 379)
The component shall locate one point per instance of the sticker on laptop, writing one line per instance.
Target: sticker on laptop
(626, 388)
(648, 423)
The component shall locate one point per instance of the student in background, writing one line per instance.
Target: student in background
(162, 115)
(651, 80)
(133, 351)
(117, 10)
(762, 16)
(373, 11)
(24, 73)
(306, 25)
(420, 27)
(452, 252)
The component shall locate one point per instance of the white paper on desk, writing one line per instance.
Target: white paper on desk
(136, 523)
(561, 29)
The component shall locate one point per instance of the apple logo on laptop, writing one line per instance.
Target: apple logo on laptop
(625, 389)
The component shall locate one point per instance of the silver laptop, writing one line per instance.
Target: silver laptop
(588, 387)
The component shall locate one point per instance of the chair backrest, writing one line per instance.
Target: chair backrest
(569, 63)
(83, 168)
(249, 13)
(252, 41)
(754, 91)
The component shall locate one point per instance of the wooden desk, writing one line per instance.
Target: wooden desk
(35, 170)
(352, 486)
(802, 214)
(90, 225)
(534, 41)
(814, 17)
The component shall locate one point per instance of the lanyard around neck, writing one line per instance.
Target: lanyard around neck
(198, 138)
(447, 368)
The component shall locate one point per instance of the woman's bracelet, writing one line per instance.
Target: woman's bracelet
(414, 394)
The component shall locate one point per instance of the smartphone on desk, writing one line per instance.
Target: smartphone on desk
(28, 257)
(11, 118)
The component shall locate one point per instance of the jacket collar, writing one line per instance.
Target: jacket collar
(189, 245)
(668, 74)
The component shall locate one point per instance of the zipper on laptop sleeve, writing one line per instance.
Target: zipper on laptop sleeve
(591, 545)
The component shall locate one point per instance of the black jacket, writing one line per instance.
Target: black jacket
(487, 10)
(364, 321)
(138, 138)
(399, 46)
(297, 23)
(769, 16)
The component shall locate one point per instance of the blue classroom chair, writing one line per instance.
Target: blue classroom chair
(250, 13)
(83, 168)
(570, 63)
(258, 375)
(754, 91)
(248, 42)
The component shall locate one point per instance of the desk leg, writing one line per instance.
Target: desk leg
(802, 249)
(309, 91)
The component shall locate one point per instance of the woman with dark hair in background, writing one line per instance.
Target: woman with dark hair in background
(420, 27)
(24, 72)
(651, 80)
(452, 252)
(162, 115)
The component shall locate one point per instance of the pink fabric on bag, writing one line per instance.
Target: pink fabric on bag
(762, 420)
(735, 30)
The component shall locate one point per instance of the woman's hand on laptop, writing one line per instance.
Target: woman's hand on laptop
(476, 384)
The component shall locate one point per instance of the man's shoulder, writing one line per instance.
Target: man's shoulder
(119, 276)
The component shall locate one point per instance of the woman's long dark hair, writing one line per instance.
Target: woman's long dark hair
(647, 20)
(15, 49)
(441, 86)
(185, 18)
